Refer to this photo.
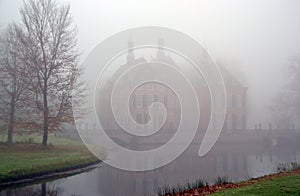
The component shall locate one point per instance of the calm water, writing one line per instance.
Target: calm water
(237, 161)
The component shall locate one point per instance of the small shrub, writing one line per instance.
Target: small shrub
(179, 189)
(282, 167)
(167, 190)
(222, 180)
(188, 186)
(295, 165)
(199, 183)
(28, 140)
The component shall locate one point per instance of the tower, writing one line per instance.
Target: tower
(130, 55)
(160, 52)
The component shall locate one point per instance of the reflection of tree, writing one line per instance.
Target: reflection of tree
(286, 106)
(42, 190)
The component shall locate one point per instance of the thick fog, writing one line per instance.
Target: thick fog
(253, 39)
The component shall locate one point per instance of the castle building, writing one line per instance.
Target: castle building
(148, 93)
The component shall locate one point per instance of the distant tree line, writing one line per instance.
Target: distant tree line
(38, 69)
(286, 105)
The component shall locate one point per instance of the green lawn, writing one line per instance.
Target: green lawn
(285, 185)
(31, 158)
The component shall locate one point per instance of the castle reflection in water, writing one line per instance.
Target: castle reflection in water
(252, 155)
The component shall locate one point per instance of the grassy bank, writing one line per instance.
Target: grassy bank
(285, 182)
(26, 158)
(281, 184)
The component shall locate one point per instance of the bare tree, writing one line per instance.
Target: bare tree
(286, 105)
(51, 60)
(281, 110)
(12, 78)
(294, 84)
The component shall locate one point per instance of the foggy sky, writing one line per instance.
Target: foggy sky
(254, 38)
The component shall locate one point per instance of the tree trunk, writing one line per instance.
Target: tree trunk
(46, 120)
(11, 122)
(44, 189)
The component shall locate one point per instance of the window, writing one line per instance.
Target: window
(234, 100)
(165, 100)
(139, 118)
(155, 98)
(147, 100)
(234, 121)
(138, 101)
